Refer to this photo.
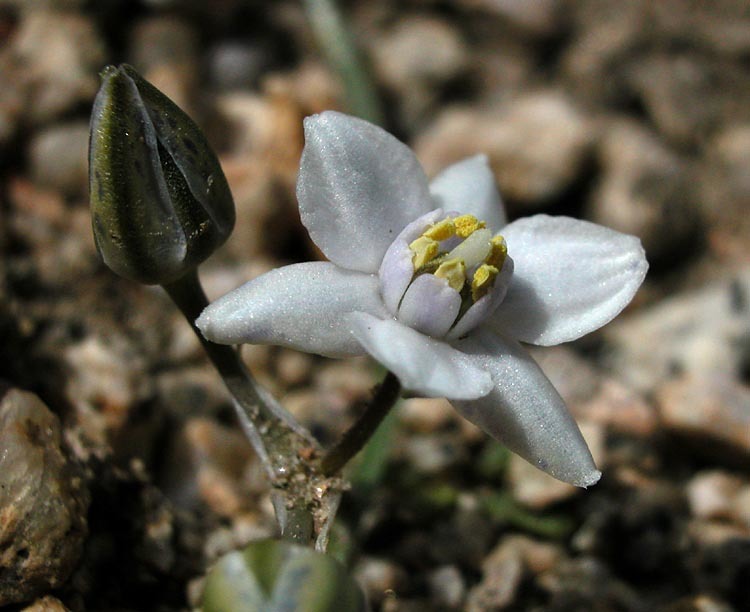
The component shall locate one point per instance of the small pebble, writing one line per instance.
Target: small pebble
(427, 415)
(447, 586)
(700, 332)
(502, 573)
(708, 409)
(61, 54)
(537, 144)
(379, 578)
(59, 157)
(645, 190)
(46, 604)
(711, 495)
(292, 367)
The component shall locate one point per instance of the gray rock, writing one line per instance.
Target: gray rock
(43, 501)
(701, 332)
(644, 190)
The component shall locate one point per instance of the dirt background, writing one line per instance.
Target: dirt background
(122, 472)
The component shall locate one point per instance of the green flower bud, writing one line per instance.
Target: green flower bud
(275, 576)
(160, 203)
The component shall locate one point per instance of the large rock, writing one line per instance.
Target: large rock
(43, 501)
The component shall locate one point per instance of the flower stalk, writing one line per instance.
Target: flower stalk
(277, 438)
(355, 438)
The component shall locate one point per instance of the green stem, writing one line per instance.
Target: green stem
(358, 435)
(274, 433)
(342, 54)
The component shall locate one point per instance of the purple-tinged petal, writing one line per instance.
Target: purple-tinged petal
(397, 270)
(424, 365)
(486, 305)
(430, 306)
(358, 187)
(525, 412)
(571, 277)
(469, 186)
(302, 306)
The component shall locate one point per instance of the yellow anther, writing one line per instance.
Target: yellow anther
(454, 271)
(484, 279)
(466, 225)
(424, 250)
(441, 231)
(498, 252)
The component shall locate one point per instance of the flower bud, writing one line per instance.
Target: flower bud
(160, 203)
(273, 575)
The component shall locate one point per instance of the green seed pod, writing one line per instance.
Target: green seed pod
(278, 576)
(160, 203)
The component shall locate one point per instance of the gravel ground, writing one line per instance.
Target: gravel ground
(122, 473)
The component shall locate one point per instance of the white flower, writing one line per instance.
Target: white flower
(433, 294)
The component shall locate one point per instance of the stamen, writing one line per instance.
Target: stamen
(466, 225)
(454, 271)
(424, 250)
(441, 231)
(484, 279)
(498, 252)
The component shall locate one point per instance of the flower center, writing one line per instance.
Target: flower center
(463, 252)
